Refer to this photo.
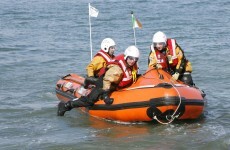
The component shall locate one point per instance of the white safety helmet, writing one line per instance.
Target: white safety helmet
(106, 44)
(132, 51)
(159, 37)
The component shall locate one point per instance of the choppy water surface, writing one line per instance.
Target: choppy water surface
(41, 40)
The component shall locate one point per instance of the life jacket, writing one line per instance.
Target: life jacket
(128, 72)
(106, 56)
(160, 57)
(171, 44)
(163, 59)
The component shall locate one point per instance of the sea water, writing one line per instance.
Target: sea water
(40, 41)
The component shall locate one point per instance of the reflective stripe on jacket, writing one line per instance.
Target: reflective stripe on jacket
(106, 56)
(99, 61)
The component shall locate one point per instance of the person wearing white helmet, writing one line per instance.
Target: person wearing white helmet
(100, 60)
(123, 70)
(119, 73)
(166, 54)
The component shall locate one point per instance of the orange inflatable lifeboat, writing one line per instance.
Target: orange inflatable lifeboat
(155, 96)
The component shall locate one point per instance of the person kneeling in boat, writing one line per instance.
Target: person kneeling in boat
(119, 73)
(100, 60)
(167, 54)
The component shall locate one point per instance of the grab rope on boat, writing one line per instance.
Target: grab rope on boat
(173, 116)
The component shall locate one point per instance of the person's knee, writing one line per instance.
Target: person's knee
(94, 95)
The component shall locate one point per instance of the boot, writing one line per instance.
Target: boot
(81, 102)
(106, 98)
(63, 107)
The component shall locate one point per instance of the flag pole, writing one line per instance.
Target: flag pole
(134, 34)
(91, 47)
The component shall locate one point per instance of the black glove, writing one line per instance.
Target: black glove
(89, 80)
(106, 98)
(108, 101)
